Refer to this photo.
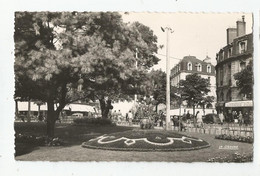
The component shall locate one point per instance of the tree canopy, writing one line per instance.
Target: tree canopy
(244, 80)
(61, 57)
(194, 90)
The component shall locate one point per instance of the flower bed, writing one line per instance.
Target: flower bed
(234, 158)
(237, 138)
(146, 140)
(38, 140)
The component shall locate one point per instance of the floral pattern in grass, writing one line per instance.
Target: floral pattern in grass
(146, 140)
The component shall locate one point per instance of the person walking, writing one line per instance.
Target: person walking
(221, 118)
(199, 120)
(130, 118)
(240, 118)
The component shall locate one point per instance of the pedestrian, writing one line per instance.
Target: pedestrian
(119, 115)
(130, 118)
(234, 116)
(246, 118)
(221, 118)
(188, 116)
(199, 119)
(240, 118)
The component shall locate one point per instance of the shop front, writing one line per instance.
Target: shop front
(233, 108)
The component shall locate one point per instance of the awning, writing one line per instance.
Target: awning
(23, 106)
(239, 104)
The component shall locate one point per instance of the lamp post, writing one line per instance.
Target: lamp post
(168, 120)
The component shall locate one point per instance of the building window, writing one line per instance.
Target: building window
(222, 96)
(189, 66)
(221, 76)
(199, 67)
(209, 68)
(242, 65)
(242, 46)
(209, 79)
(229, 52)
(229, 97)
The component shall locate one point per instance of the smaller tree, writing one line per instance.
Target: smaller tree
(193, 90)
(244, 80)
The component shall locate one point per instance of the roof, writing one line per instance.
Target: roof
(23, 106)
(192, 59)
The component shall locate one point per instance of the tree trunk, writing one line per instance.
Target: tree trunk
(156, 108)
(194, 117)
(16, 109)
(105, 107)
(39, 110)
(29, 111)
(51, 118)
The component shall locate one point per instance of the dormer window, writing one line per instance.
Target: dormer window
(242, 46)
(209, 68)
(189, 66)
(199, 67)
(229, 52)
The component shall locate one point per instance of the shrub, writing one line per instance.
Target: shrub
(234, 158)
(237, 138)
(38, 140)
(146, 124)
(94, 121)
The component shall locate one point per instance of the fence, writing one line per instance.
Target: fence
(216, 129)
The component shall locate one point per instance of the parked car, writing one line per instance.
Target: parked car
(211, 118)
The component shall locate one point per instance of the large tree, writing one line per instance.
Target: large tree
(244, 80)
(64, 57)
(194, 90)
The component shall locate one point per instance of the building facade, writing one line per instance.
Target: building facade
(190, 65)
(232, 59)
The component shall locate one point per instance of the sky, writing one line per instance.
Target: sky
(195, 34)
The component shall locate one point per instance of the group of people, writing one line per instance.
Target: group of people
(118, 117)
(239, 117)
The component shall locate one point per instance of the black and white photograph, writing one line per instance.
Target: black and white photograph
(125, 86)
(136, 87)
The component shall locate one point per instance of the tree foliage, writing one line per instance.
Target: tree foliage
(55, 53)
(244, 80)
(194, 90)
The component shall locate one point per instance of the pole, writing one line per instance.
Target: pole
(135, 96)
(168, 124)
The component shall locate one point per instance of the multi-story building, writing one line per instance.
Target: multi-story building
(231, 59)
(189, 65)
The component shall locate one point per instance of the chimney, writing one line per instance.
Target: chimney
(231, 35)
(241, 27)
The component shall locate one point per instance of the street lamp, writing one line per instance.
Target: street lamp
(168, 120)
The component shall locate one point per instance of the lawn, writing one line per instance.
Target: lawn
(76, 135)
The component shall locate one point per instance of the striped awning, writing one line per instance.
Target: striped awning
(239, 104)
